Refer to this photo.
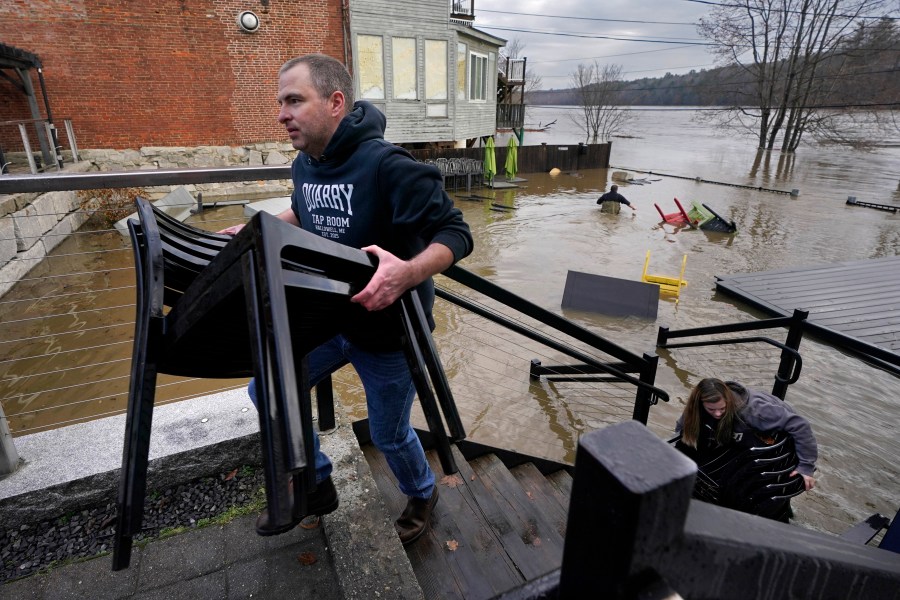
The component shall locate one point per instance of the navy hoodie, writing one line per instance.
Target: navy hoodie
(364, 190)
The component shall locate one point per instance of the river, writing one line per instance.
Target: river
(557, 227)
(554, 226)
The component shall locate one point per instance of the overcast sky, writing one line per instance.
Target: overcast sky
(554, 46)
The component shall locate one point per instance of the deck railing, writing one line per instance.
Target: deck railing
(48, 140)
(634, 531)
(790, 364)
(462, 9)
(625, 368)
(510, 116)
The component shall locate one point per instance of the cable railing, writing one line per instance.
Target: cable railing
(66, 333)
(67, 323)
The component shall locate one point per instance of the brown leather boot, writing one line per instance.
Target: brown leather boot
(322, 501)
(415, 518)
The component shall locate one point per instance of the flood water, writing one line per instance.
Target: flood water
(553, 226)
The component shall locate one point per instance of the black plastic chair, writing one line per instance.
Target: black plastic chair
(252, 305)
(754, 479)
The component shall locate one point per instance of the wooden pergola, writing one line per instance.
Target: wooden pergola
(15, 67)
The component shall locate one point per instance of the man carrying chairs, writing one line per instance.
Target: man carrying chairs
(349, 267)
(352, 186)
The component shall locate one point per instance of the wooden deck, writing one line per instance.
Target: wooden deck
(855, 301)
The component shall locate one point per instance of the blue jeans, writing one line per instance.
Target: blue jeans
(389, 396)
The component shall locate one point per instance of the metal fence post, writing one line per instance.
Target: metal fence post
(794, 337)
(642, 397)
(9, 458)
(57, 149)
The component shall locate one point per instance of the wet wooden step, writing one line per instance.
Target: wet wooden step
(459, 556)
(545, 496)
(562, 481)
(525, 513)
(491, 531)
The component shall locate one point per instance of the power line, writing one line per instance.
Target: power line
(538, 62)
(521, 14)
(599, 37)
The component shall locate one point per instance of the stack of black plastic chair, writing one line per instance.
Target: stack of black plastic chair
(753, 478)
(253, 305)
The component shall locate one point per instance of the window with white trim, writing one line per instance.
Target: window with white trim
(436, 87)
(460, 71)
(478, 70)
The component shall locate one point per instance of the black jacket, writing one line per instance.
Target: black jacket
(364, 190)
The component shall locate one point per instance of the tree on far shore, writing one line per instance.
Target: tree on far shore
(796, 58)
(598, 90)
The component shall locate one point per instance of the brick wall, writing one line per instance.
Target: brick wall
(161, 72)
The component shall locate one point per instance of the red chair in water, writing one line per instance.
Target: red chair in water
(676, 218)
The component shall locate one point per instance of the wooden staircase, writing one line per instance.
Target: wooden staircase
(493, 528)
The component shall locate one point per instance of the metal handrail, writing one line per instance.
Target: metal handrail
(507, 298)
(798, 360)
(791, 362)
(60, 182)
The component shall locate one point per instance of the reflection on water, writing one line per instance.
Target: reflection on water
(67, 331)
(527, 239)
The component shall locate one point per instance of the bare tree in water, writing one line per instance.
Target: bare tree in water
(795, 54)
(598, 90)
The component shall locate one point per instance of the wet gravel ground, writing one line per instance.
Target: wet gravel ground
(30, 547)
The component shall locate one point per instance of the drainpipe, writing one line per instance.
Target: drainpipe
(345, 24)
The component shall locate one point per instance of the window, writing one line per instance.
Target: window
(435, 69)
(371, 67)
(477, 76)
(404, 66)
(490, 77)
(460, 71)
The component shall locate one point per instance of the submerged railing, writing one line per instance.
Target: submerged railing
(790, 364)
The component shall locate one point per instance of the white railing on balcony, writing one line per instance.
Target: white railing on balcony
(515, 70)
(462, 9)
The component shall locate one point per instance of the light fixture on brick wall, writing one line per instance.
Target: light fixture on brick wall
(248, 21)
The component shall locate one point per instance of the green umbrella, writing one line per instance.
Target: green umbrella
(512, 158)
(490, 161)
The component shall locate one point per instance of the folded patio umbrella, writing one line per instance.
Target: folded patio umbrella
(512, 158)
(490, 161)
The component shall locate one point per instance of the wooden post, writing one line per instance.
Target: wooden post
(630, 498)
